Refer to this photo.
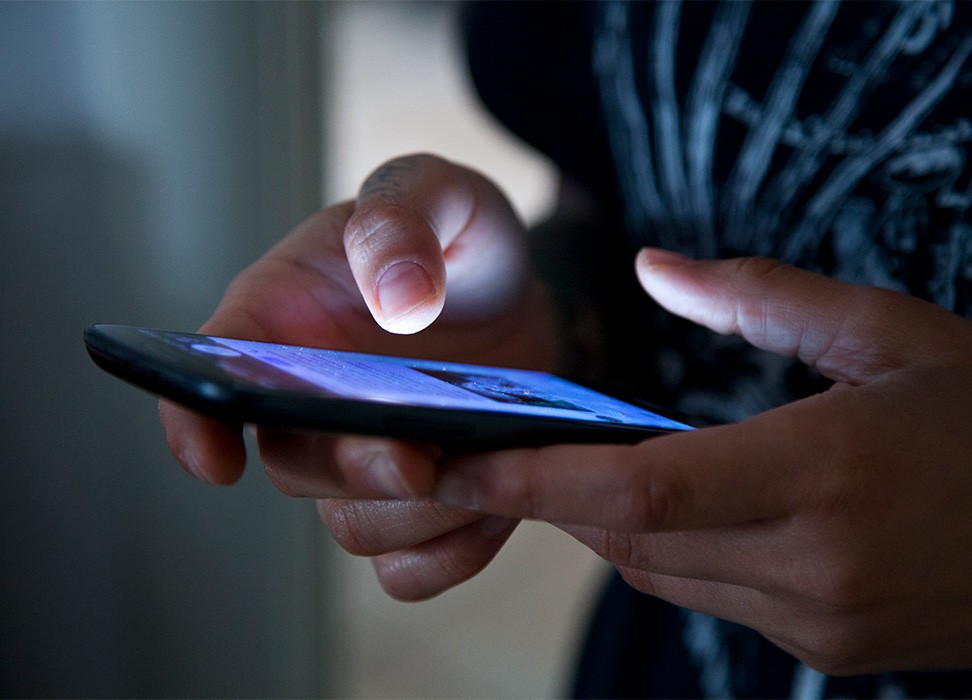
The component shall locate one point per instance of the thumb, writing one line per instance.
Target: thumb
(851, 333)
(422, 227)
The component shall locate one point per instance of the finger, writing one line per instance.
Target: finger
(754, 555)
(321, 465)
(433, 567)
(422, 226)
(263, 304)
(795, 630)
(758, 555)
(725, 601)
(832, 640)
(851, 333)
(371, 527)
(788, 627)
(300, 292)
(712, 477)
(210, 450)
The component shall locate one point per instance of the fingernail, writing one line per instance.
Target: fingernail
(385, 477)
(402, 288)
(648, 257)
(454, 489)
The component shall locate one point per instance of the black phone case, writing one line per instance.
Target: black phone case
(165, 371)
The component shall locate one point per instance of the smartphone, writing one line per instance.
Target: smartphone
(457, 406)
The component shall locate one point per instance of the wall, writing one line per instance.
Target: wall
(148, 151)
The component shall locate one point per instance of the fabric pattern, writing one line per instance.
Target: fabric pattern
(834, 136)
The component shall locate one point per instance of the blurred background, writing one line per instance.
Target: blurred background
(148, 152)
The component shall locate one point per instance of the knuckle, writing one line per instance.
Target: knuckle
(760, 268)
(648, 505)
(662, 503)
(840, 590)
(634, 510)
(752, 310)
(504, 487)
(633, 499)
(377, 224)
(368, 220)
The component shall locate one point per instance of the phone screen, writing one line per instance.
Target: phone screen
(414, 382)
(356, 391)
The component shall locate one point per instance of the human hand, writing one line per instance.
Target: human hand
(426, 240)
(838, 526)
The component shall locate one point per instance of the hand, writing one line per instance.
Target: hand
(838, 526)
(426, 240)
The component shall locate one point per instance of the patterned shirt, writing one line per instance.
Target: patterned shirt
(834, 136)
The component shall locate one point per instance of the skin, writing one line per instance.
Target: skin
(838, 526)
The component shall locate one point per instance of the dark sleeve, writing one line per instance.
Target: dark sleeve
(530, 63)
